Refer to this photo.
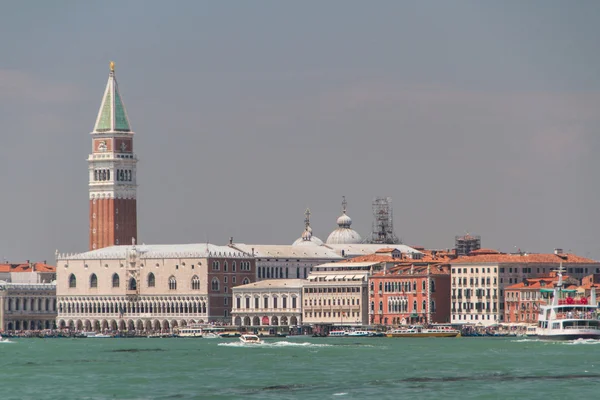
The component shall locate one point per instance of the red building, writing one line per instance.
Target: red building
(112, 173)
(523, 300)
(414, 291)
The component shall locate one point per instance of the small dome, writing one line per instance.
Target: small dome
(307, 237)
(344, 221)
(344, 234)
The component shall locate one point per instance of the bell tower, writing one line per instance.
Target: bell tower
(112, 173)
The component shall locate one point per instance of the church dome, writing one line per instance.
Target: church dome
(344, 234)
(307, 238)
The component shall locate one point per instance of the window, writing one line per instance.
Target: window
(132, 284)
(225, 266)
(115, 280)
(172, 283)
(266, 302)
(246, 281)
(216, 266)
(224, 279)
(233, 279)
(72, 281)
(214, 285)
(151, 280)
(226, 301)
(195, 283)
(93, 281)
(284, 302)
(238, 301)
(233, 266)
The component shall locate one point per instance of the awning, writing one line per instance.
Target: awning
(359, 277)
(329, 278)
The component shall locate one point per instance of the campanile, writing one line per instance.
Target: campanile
(112, 173)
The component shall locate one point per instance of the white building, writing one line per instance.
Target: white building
(479, 279)
(149, 287)
(337, 294)
(274, 302)
(27, 306)
(286, 261)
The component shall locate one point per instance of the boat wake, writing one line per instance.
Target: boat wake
(525, 340)
(282, 343)
(581, 341)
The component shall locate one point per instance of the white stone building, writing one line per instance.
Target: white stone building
(27, 306)
(149, 287)
(337, 294)
(274, 302)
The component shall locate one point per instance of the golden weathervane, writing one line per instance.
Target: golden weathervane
(112, 66)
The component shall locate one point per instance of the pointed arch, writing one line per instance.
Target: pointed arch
(214, 284)
(172, 283)
(132, 284)
(72, 281)
(116, 281)
(93, 281)
(245, 281)
(151, 280)
(195, 282)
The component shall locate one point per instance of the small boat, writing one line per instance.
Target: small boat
(567, 318)
(96, 335)
(191, 331)
(4, 340)
(358, 333)
(419, 331)
(251, 339)
(210, 335)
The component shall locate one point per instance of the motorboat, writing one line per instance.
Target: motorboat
(193, 331)
(420, 331)
(337, 333)
(96, 335)
(251, 339)
(210, 335)
(568, 318)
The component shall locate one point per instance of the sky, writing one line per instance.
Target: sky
(474, 116)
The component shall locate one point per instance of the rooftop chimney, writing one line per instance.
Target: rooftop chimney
(230, 240)
(558, 251)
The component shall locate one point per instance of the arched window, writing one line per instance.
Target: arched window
(151, 280)
(424, 306)
(72, 281)
(93, 281)
(423, 285)
(115, 280)
(214, 285)
(246, 281)
(195, 283)
(132, 284)
(172, 283)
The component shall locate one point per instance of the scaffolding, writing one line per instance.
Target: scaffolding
(466, 244)
(383, 222)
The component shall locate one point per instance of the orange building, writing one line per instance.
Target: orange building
(414, 291)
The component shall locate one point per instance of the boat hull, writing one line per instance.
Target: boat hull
(422, 335)
(569, 336)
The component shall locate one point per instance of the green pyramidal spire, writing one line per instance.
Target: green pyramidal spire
(112, 116)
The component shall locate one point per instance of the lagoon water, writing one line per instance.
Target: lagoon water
(299, 367)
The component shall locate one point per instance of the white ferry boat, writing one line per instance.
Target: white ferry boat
(337, 333)
(420, 331)
(251, 339)
(190, 331)
(567, 318)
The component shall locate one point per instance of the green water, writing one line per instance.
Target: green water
(307, 368)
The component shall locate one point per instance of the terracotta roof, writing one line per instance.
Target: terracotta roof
(372, 258)
(484, 251)
(387, 250)
(402, 269)
(503, 258)
(25, 267)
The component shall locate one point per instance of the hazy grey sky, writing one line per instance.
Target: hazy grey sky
(477, 116)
